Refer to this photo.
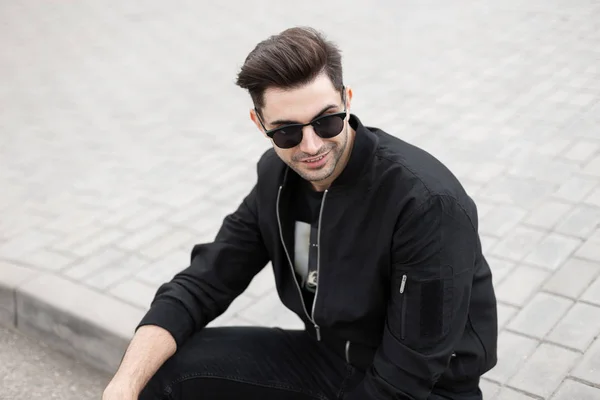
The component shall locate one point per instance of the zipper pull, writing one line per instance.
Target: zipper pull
(318, 330)
(403, 284)
(348, 351)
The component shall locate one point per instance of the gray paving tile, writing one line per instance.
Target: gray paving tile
(486, 172)
(287, 320)
(552, 251)
(582, 151)
(501, 219)
(134, 292)
(514, 350)
(483, 208)
(576, 188)
(573, 278)
(488, 243)
(21, 245)
(590, 250)
(163, 269)
(592, 293)
(94, 263)
(165, 244)
(544, 370)
(573, 390)
(50, 260)
(16, 224)
(74, 219)
(547, 214)
(265, 310)
(584, 99)
(521, 284)
(111, 274)
(593, 198)
(489, 389)
(116, 218)
(578, 328)
(262, 283)
(555, 146)
(185, 215)
(143, 237)
(522, 192)
(500, 268)
(505, 313)
(518, 243)
(540, 315)
(179, 197)
(543, 170)
(510, 394)
(593, 167)
(233, 321)
(76, 237)
(143, 217)
(580, 222)
(97, 242)
(588, 368)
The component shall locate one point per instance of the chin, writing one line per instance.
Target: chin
(318, 175)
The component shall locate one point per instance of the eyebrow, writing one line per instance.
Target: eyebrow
(287, 121)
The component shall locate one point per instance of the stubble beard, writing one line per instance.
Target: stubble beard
(335, 153)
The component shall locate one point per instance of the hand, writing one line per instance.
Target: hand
(118, 391)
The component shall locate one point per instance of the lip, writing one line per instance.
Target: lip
(316, 164)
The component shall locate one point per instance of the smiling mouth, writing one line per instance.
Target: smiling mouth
(315, 159)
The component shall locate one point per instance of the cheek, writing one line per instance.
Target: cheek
(284, 154)
(338, 142)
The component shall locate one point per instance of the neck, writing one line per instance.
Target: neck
(321, 186)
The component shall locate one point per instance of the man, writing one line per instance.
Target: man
(373, 244)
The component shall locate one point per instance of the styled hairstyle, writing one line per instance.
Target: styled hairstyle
(290, 59)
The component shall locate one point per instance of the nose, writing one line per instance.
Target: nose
(311, 142)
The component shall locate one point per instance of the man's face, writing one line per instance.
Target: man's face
(316, 159)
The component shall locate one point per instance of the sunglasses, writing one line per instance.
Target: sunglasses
(326, 126)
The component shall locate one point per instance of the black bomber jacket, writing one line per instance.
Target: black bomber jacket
(401, 269)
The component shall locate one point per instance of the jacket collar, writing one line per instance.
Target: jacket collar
(363, 150)
(362, 153)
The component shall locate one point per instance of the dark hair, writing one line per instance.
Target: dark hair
(290, 59)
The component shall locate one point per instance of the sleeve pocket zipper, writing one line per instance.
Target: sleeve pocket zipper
(403, 315)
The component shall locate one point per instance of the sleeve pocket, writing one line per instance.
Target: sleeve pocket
(423, 308)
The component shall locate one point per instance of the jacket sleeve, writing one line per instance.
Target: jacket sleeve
(433, 258)
(218, 272)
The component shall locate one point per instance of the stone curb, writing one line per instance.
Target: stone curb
(87, 325)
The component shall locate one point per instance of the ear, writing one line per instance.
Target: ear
(348, 97)
(255, 118)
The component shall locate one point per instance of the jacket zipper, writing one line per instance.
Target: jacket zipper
(312, 315)
(317, 328)
(403, 316)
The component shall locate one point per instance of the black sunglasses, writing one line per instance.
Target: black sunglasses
(326, 126)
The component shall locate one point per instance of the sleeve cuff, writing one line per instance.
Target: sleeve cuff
(171, 317)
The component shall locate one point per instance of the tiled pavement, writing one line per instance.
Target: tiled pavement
(123, 141)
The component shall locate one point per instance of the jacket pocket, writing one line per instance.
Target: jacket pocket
(422, 307)
(403, 307)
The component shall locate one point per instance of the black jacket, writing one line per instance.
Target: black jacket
(401, 270)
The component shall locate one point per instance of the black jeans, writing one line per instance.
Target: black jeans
(255, 363)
